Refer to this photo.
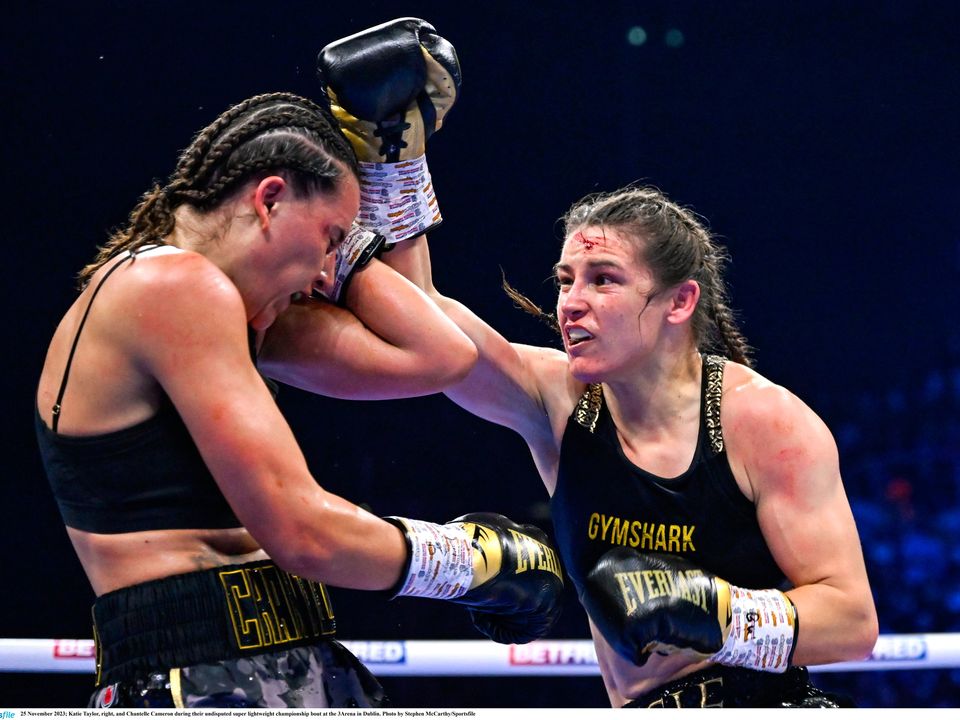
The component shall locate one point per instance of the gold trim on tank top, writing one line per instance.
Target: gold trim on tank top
(713, 366)
(588, 406)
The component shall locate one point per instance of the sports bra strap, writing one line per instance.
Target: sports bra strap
(73, 348)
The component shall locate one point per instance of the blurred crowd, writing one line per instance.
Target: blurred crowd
(900, 457)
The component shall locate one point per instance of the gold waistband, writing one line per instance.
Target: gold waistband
(208, 615)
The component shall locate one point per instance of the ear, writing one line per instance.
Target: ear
(683, 301)
(268, 192)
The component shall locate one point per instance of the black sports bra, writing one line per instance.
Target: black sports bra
(149, 476)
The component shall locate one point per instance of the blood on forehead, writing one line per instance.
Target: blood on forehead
(589, 242)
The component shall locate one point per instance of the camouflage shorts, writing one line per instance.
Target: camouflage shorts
(324, 675)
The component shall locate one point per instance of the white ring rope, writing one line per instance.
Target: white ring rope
(415, 658)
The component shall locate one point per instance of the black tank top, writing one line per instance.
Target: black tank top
(146, 477)
(603, 500)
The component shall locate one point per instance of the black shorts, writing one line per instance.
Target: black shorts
(721, 686)
(246, 635)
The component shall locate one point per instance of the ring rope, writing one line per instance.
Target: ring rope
(484, 658)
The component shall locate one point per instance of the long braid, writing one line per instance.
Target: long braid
(529, 306)
(193, 156)
(149, 222)
(715, 327)
(726, 330)
(265, 111)
(737, 348)
(273, 132)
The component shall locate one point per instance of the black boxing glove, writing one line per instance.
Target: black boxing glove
(390, 87)
(507, 575)
(649, 602)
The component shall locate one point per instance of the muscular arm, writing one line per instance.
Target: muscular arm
(525, 388)
(391, 343)
(791, 463)
(190, 335)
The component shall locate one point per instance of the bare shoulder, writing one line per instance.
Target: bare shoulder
(177, 274)
(771, 435)
(172, 298)
(555, 392)
(168, 280)
(544, 361)
(754, 403)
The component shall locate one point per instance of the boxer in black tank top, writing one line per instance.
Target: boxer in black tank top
(603, 500)
(698, 507)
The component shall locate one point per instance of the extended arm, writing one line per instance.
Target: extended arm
(390, 342)
(525, 388)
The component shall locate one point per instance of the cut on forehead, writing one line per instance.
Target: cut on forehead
(602, 233)
(589, 238)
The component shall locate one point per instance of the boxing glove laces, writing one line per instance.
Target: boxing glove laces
(390, 88)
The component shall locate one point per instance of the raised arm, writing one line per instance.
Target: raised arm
(391, 87)
(389, 342)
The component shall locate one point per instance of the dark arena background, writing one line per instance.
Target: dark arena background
(819, 138)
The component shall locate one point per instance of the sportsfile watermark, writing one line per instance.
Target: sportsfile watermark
(467, 714)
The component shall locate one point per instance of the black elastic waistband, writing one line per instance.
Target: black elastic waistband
(721, 686)
(204, 616)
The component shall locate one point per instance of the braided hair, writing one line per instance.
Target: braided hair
(278, 133)
(676, 245)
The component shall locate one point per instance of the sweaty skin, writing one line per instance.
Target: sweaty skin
(621, 329)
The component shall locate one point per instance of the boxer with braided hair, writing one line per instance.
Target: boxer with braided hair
(293, 132)
(190, 505)
(698, 507)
